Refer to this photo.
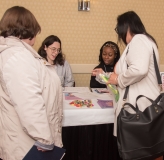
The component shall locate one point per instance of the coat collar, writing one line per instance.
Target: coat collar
(11, 41)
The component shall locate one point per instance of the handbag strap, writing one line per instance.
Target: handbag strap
(127, 88)
(156, 71)
(134, 108)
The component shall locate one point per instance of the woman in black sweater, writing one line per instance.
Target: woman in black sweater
(109, 55)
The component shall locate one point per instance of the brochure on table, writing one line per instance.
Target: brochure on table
(76, 89)
(99, 100)
(100, 90)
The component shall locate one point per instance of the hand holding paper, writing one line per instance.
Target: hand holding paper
(104, 78)
(35, 154)
(97, 71)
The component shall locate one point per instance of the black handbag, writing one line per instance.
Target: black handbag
(140, 136)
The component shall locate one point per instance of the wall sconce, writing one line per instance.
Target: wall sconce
(83, 5)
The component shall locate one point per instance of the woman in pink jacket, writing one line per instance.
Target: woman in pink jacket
(30, 99)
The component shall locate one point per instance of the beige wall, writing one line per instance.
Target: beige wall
(83, 33)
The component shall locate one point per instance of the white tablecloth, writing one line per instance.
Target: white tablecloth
(73, 116)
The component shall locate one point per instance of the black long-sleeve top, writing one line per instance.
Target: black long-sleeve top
(106, 68)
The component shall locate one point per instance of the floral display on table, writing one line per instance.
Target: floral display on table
(82, 103)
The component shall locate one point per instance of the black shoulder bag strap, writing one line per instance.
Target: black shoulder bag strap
(156, 71)
(127, 88)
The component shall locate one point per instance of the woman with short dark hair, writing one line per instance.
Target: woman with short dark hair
(30, 100)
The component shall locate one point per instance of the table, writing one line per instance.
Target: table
(74, 116)
(88, 132)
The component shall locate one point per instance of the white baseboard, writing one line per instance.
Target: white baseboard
(87, 68)
(83, 68)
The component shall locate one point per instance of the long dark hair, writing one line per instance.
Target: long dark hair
(47, 42)
(112, 45)
(130, 20)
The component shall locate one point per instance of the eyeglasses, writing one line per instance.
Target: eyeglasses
(116, 30)
(55, 50)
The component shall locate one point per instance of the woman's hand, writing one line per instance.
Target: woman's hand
(97, 71)
(113, 79)
(40, 149)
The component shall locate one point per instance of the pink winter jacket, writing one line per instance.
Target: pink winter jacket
(30, 100)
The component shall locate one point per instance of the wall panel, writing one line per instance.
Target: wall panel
(83, 33)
